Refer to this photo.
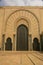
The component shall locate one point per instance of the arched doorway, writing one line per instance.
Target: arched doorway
(8, 44)
(36, 44)
(22, 38)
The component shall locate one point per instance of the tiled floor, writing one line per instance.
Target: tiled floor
(21, 58)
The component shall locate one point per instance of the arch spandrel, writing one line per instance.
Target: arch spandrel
(22, 22)
(31, 17)
(24, 11)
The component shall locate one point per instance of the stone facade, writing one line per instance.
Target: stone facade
(12, 17)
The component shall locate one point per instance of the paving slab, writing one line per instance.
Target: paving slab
(21, 58)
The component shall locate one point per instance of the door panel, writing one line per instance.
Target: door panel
(22, 38)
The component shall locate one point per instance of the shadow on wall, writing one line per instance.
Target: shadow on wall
(36, 44)
(41, 41)
(8, 44)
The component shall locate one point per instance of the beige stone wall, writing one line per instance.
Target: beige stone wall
(12, 17)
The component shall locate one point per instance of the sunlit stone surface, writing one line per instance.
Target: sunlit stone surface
(21, 58)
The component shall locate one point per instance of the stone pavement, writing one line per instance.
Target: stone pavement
(21, 58)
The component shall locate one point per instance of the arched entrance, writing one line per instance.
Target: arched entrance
(36, 44)
(22, 38)
(11, 25)
(8, 44)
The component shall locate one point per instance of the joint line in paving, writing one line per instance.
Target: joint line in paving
(37, 57)
(30, 60)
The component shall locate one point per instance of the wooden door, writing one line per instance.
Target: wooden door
(22, 38)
